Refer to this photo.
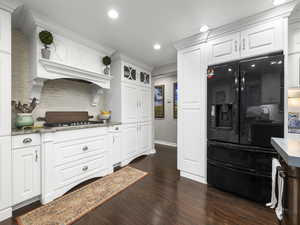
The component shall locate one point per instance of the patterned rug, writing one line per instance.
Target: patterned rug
(71, 207)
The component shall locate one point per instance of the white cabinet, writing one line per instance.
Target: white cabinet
(5, 172)
(262, 39)
(5, 31)
(294, 56)
(145, 104)
(225, 48)
(192, 66)
(26, 174)
(256, 40)
(129, 141)
(144, 137)
(116, 145)
(5, 94)
(130, 103)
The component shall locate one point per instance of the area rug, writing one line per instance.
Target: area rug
(71, 207)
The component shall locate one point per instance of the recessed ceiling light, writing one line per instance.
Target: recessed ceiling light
(157, 46)
(204, 29)
(113, 14)
(278, 2)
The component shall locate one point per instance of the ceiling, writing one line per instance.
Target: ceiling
(144, 22)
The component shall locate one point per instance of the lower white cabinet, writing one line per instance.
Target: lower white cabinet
(5, 173)
(26, 174)
(129, 141)
(116, 154)
(136, 140)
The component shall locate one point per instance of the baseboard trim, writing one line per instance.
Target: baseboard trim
(27, 202)
(5, 213)
(193, 177)
(167, 143)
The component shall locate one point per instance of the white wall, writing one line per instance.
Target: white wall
(57, 95)
(165, 130)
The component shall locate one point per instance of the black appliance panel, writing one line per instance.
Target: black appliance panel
(241, 182)
(253, 159)
(261, 100)
(222, 103)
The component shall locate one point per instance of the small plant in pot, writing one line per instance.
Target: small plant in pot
(106, 61)
(46, 38)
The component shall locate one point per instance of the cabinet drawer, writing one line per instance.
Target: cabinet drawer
(73, 151)
(22, 141)
(66, 175)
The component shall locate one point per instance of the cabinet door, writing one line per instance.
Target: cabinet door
(26, 174)
(116, 148)
(129, 141)
(224, 49)
(5, 31)
(130, 103)
(5, 172)
(294, 70)
(262, 39)
(144, 137)
(145, 105)
(5, 94)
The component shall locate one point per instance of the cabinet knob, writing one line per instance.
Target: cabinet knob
(85, 148)
(85, 168)
(27, 140)
(117, 128)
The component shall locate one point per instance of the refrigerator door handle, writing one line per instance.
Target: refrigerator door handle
(243, 80)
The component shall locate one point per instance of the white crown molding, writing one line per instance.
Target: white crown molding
(165, 70)
(282, 11)
(27, 20)
(9, 5)
(119, 56)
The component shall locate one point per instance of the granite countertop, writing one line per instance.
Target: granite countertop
(288, 149)
(16, 132)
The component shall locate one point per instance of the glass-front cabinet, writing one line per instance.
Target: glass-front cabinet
(135, 75)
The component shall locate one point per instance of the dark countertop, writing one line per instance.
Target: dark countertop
(288, 149)
(16, 132)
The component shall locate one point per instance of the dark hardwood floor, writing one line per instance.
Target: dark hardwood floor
(164, 198)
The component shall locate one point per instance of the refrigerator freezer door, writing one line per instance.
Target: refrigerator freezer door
(222, 102)
(261, 100)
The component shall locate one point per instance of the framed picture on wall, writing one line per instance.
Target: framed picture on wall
(175, 99)
(159, 101)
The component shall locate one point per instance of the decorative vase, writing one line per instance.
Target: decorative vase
(46, 53)
(24, 120)
(107, 70)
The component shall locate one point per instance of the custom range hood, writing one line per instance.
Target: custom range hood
(71, 56)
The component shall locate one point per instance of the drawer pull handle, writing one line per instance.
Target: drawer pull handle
(27, 140)
(85, 148)
(85, 168)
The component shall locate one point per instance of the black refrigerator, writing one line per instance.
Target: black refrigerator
(245, 108)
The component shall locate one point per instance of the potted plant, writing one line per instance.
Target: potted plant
(24, 113)
(47, 39)
(106, 61)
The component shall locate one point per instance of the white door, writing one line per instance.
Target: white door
(5, 172)
(144, 137)
(5, 94)
(129, 141)
(5, 31)
(262, 39)
(26, 174)
(224, 49)
(116, 148)
(192, 111)
(130, 103)
(145, 104)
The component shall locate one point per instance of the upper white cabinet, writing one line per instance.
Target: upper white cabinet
(256, 40)
(294, 55)
(5, 173)
(130, 103)
(144, 104)
(225, 48)
(5, 94)
(5, 31)
(262, 39)
(190, 71)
